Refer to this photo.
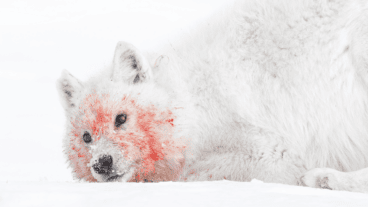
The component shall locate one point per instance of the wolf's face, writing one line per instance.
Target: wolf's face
(121, 127)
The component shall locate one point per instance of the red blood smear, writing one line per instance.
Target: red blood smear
(147, 129)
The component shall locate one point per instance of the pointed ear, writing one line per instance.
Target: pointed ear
(129, 65)
(69, 89)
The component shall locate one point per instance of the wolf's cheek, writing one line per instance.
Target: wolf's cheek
(79, 157)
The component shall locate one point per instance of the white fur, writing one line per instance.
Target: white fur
(269, 90)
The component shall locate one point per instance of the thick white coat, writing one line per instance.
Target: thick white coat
(267, 90)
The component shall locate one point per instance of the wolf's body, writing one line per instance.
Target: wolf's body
(266, 89)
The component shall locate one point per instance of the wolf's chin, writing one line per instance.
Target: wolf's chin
(115, 178)
(122, 176)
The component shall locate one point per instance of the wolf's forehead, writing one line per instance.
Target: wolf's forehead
(102, 98)
(107, 86)
(97, 110)
(116, 97)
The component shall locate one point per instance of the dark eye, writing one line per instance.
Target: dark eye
(120, 119)
(87, 137)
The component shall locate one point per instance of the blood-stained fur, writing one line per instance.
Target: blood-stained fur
(269, 89)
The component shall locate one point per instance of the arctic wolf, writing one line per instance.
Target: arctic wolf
(266, 89)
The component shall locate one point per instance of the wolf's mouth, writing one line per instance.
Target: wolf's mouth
(115, 177)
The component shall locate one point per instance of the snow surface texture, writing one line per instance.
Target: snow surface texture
(39, 39)
(219, 193)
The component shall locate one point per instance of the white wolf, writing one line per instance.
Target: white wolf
(272, 90)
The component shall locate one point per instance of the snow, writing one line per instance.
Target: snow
(39, 39)
(219, 193)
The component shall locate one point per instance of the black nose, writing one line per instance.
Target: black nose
(104, 165)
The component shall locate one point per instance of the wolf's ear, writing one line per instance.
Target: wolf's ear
(129, 65)
(69, 89)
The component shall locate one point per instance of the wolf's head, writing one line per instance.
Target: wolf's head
(120, 125)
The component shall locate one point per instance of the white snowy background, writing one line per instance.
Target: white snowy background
(40, 38)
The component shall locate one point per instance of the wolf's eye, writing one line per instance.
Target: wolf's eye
(87, 137)
(120, 119)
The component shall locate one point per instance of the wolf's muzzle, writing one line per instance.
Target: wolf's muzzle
(104, 165)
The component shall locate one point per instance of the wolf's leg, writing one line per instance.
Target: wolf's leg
(257, 154)
(356, 181)
(268, 164)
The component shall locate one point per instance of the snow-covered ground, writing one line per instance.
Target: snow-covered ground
(220, 193)
(39, 38)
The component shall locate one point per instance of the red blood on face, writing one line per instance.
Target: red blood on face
(147, 138)
(150, 134)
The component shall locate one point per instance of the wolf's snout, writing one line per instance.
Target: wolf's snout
(104, 165)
